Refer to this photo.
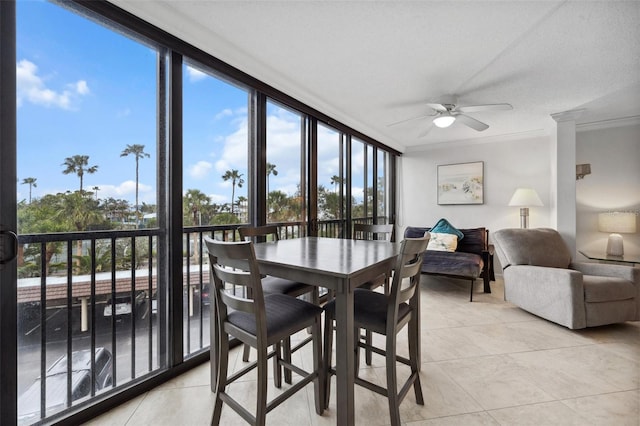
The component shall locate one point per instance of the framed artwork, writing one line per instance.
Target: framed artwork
(461, 183)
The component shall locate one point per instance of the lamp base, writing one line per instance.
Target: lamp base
(524, 217)
(615, 245)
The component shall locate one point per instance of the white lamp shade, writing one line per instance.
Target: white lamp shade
(617, 222)
(444, 120)
(525, 197)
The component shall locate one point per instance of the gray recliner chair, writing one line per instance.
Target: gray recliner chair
(540, 278)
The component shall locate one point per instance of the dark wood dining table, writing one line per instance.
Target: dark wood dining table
(340, 265)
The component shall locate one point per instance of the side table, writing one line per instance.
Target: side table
(603, 257)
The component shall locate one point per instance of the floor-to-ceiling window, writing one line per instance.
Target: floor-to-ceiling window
(331, 181)
(286, 164)
(215, 145)
(110, 269)
(87, 150)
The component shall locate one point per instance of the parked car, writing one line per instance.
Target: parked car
(56, 383)
(206, 300)
(154, 302)
(123, 304)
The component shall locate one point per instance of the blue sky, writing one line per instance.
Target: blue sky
(84, 89)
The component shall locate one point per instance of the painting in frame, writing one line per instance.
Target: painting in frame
(461, 183)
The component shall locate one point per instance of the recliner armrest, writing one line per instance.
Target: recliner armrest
(552, 279)
(606, 270)
(556, 294)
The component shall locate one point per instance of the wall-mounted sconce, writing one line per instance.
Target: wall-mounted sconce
(582, 170)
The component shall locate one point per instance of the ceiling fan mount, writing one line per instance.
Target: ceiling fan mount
(447, 111)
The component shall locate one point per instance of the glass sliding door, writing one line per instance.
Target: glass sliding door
(382, 187)
(87, 154)
(331, 182)
(8, 225)
(286, 169)
(215, 185)
(358, 181)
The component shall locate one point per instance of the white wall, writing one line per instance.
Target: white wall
(614, 182)
(508, 164)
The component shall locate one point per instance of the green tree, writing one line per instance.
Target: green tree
(38, 217)
(116, 210)
(95, 191)
(32, 184)
(78, 164)
(335, 181)
(236, 180)
(138, 152)
(271, 170)
(328, 204)
(194, 203)
(81, 212)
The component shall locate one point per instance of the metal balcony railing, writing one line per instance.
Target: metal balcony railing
(84, 294)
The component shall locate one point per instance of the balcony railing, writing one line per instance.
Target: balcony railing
(82, 291)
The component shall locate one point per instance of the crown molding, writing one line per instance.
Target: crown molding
(530, 134)
(607, 124)
(571, 115)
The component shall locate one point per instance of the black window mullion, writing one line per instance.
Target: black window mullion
(175, 210)
(163, 277)
(374, 184)
(93, 315)
(114, 348)
(347, 195)
(258, 159)
(149, 302)
(133, 307)
(312, 178)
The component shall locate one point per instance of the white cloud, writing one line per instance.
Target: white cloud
(195, 75)
(224, 113)
(200, 170)
(234, 153)
(82, 88)
(218, 198)
(124, 190)
(31, 87)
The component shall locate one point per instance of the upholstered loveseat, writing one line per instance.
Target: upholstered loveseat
(540, 278)
(472, 258)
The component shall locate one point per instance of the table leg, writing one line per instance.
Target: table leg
(345, 352)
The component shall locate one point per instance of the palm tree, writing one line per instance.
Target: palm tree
(194, 202)
(335, 181)
(271, 170)
(236, 179)
(32, 184)
(242, 211)
(78, 164)
(95, 190)
(138, 152)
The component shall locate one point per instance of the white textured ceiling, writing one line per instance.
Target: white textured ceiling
(372, 63)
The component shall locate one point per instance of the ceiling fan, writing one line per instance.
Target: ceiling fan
(447, 112)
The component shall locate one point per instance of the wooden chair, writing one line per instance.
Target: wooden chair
(260, 321)
(374, 232)
(387, 315)
(274, 285)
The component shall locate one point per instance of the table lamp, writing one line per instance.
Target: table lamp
(525, 198)
(616, 223)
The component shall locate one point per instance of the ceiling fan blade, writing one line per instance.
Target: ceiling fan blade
(437, 107)
(426, 131)
(472, 122)
(407, 120)
(488, 107)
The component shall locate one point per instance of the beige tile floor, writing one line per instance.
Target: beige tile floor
(483, 363)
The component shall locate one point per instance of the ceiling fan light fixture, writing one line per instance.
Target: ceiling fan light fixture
(444, 120)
